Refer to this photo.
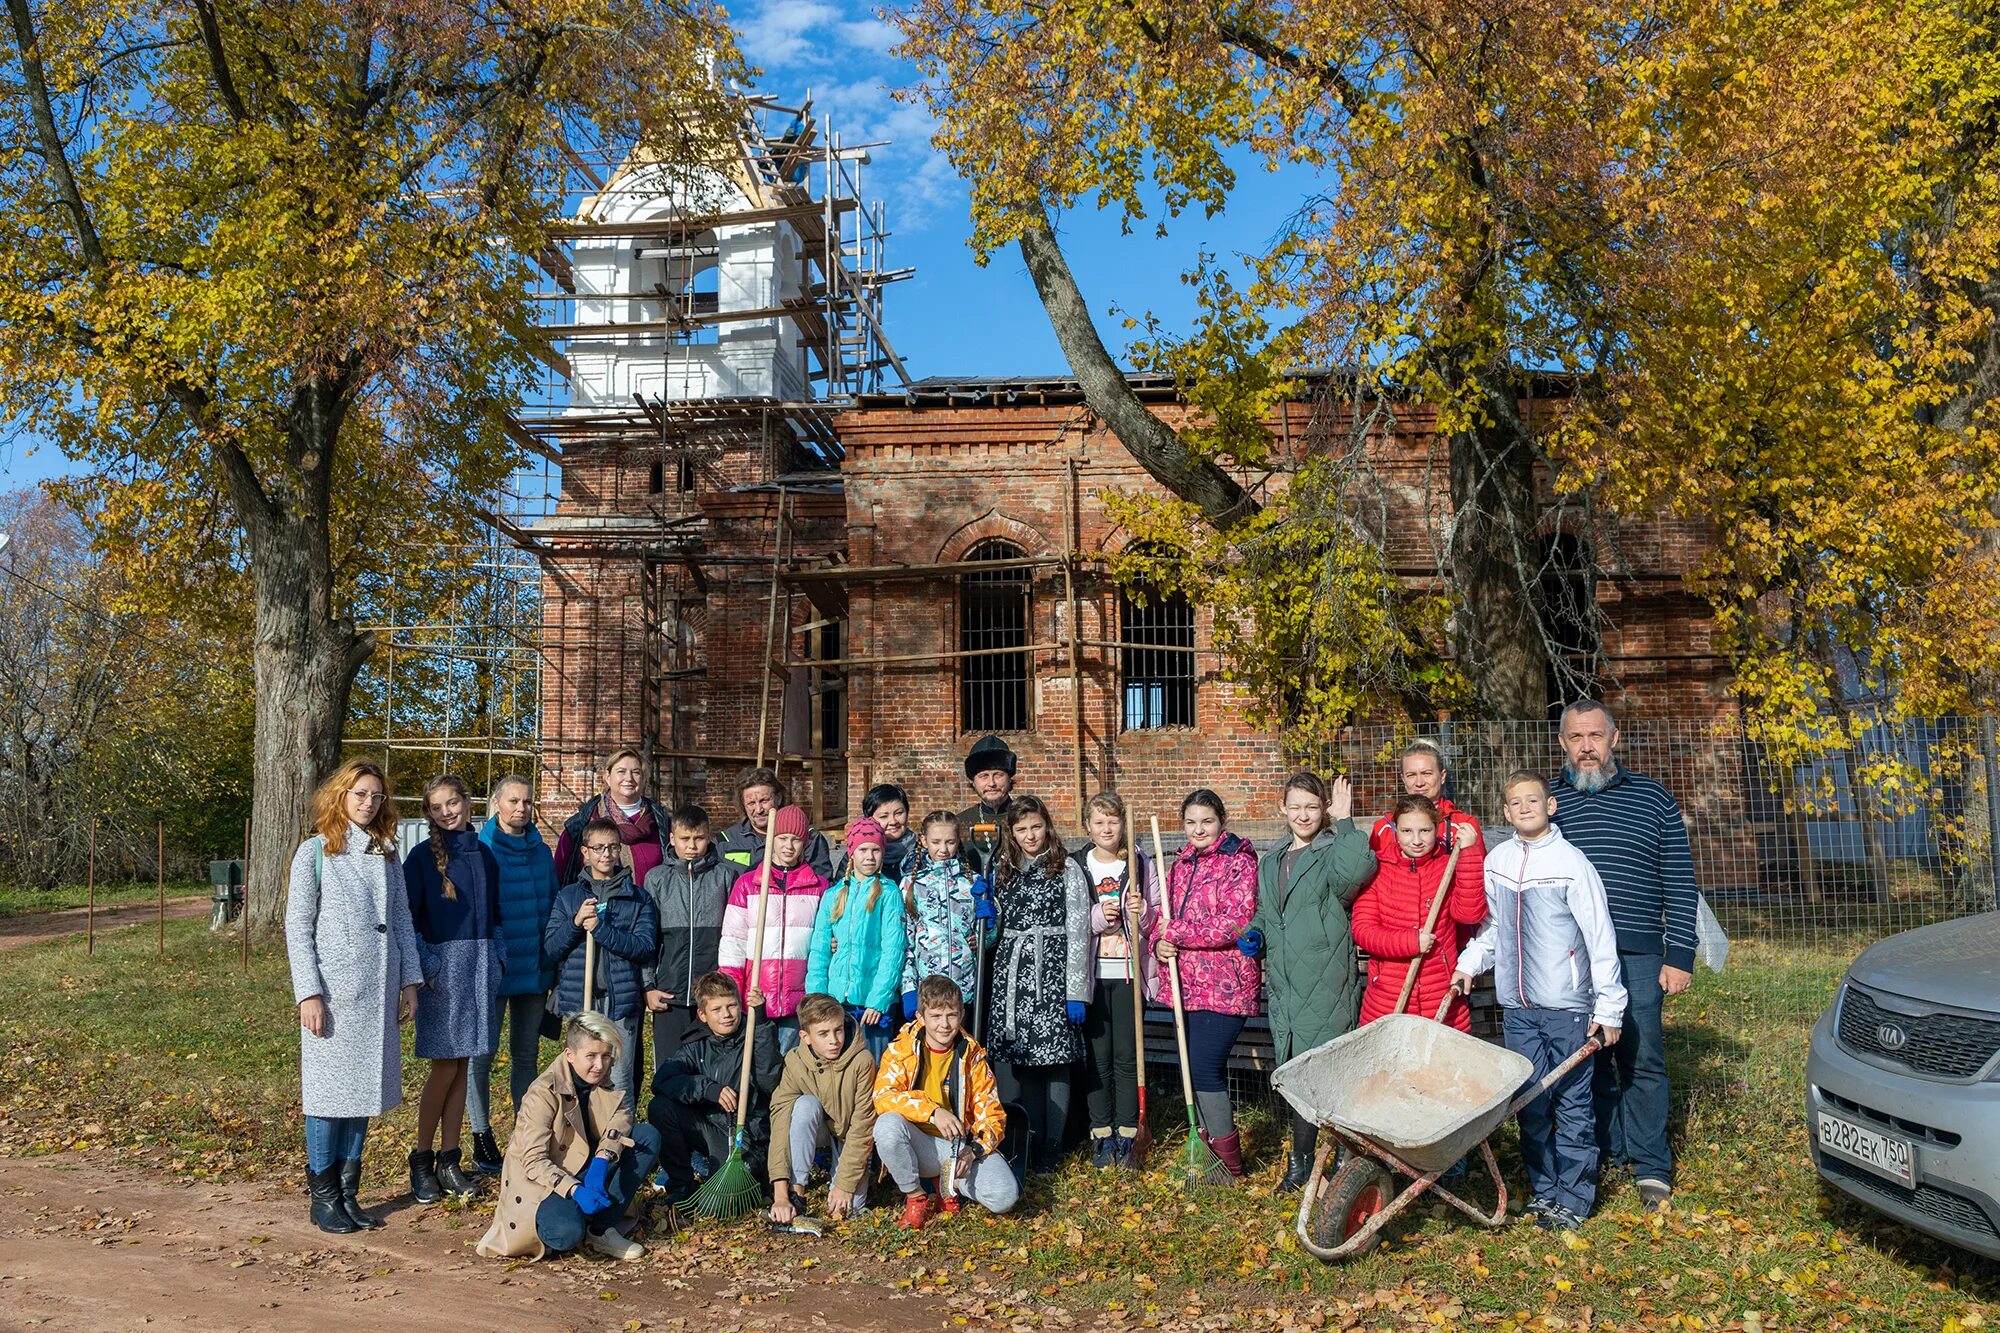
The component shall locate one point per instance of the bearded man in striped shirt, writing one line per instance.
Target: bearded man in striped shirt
(1631, 829)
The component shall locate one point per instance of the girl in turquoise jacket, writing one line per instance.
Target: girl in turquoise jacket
(856, 955)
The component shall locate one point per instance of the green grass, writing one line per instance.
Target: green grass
(14, 901)
(190, 1064)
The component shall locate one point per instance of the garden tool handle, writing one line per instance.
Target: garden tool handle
(756, 976)
(1430, 924)
(1556, 1075)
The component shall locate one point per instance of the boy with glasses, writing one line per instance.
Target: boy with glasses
(606, 905)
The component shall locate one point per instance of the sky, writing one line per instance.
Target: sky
(953, 317)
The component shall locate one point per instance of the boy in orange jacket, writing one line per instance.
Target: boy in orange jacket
(937, 1111)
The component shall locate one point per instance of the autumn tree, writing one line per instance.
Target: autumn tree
(1754, 247)
(109, 720)
(264, 268)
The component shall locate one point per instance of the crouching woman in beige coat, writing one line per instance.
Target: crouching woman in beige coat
(575, 1161)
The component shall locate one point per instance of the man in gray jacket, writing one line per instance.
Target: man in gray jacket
(1549, 939)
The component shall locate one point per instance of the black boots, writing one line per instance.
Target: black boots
(485, 1155)
(323, 1187)
(350, 1200)
(452, 1176)
(424, 1185)
(1298, 1170)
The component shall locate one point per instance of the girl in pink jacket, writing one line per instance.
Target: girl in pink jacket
(795, 892)
(1213, 889)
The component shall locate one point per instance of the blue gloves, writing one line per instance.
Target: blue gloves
(592, 1195)
(982, 901)
(1251, 942)
(1075, 1008)
(909, 1004)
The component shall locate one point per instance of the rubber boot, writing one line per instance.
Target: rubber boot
(1298, 1170)
(1230, 1149)
(424, 1184)
(485, 1154)
(350, 1196)
(452, 1176)
(323, 1188)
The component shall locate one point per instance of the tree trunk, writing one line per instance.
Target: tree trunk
(1491, 563)
(305, 666)
(1148, 439)
(306, 656)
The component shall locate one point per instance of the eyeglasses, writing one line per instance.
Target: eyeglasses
(367, 797)
(603, 848)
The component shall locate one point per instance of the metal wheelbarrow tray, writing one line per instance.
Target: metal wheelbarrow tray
(1414, 1096)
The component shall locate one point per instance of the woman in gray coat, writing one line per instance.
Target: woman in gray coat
(355, 972)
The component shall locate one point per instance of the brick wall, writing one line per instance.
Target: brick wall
(924, 484)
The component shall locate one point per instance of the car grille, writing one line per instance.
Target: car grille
(1940, 1045)
(1943, 1138)
(1939, 1205)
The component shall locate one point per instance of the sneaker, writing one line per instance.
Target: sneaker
(1535, 1207)
(916, 1211)
(1104, 1151)
(1555, 1217)
(614, 1246)
(676, 1191)
(1654, 1194)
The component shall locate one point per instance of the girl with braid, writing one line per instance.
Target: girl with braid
(454, 890)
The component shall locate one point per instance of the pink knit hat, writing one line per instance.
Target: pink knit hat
(865, 832)
(790, 820)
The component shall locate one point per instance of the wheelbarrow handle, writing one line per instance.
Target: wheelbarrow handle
(1556, 1075)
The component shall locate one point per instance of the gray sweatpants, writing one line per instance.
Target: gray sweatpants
(912, 1156)
(811, 1131)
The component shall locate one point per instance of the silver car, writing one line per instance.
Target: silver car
(1903, 1083)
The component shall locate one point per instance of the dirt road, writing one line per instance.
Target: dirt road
(28, 927)
(85, 1247)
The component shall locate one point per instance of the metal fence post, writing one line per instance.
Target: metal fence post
(1989, 749)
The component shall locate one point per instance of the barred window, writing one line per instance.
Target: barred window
(994, 613)
(1156, 660)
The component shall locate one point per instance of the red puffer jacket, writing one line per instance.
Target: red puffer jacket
(1390, 912)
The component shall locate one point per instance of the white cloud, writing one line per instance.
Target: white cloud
(783, 32)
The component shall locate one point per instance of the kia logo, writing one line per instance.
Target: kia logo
(1892, 1037)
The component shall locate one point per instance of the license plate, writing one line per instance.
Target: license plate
(1883, 1154)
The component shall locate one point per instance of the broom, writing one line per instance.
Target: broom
(1203, 1167)
(1142, 1142)
(732, 1191)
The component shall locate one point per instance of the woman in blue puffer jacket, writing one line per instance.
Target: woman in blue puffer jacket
(527, 889)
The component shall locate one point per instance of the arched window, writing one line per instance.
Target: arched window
(994, 613)
(1156, 659)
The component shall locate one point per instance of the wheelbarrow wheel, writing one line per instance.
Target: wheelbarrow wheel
(1358, 1190)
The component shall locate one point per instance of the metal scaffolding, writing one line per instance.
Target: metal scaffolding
(627, 566)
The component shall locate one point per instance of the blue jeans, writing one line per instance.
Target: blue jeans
(625, 1069)
(1631, 1078)
(877, 1038)
(560, 1224)
(331, 1139)
(787, 1029)
(524, 1058)
(1558, 1128)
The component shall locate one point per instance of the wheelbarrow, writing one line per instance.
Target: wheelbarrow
(1409, 1095)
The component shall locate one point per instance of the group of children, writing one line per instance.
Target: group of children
(862, 973)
